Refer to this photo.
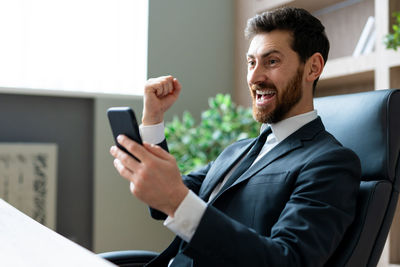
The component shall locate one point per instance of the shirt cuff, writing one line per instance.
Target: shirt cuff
(153, 134)
(187, 216)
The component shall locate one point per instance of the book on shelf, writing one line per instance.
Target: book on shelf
(365, 44)
(369, 46)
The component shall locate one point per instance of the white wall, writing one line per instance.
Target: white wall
(194, 41)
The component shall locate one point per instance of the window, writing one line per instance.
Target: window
(96, 46)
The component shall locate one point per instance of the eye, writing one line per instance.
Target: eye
(273, 61)
(251, 63)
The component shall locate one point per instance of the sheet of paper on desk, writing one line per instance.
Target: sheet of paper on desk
(28, 179)
(25, 242)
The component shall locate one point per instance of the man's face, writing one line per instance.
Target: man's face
(275, 77)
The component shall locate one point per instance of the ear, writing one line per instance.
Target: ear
(314, 66)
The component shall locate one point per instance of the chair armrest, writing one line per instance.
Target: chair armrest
(129, 257)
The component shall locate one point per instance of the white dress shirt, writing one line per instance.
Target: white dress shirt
(188, 215)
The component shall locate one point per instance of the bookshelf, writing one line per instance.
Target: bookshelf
(343, 73)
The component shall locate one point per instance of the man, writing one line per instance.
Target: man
(291, 205)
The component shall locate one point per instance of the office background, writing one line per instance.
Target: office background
(201, 43)
(192, 40)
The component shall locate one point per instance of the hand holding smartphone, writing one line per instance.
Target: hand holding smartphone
(123, 121)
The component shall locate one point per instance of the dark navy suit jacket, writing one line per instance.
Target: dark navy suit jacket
(291, 208)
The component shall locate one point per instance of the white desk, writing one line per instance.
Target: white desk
(25, 242)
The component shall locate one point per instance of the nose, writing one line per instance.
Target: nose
(256, 75)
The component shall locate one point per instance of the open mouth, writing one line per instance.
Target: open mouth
(264, 97)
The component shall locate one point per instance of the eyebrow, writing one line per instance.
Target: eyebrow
(266, 54)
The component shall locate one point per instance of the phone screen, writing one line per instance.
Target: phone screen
(123, 121)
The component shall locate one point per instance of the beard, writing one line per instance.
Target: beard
(285, 99)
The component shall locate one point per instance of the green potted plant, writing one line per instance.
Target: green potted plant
(392, 40)
(195, 144)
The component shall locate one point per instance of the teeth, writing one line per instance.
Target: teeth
(268, 92)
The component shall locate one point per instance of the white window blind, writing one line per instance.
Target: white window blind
(96, 46)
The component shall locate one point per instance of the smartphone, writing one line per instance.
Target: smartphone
(123, 121)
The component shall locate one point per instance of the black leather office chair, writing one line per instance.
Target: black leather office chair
(129, 258)
(369, 124)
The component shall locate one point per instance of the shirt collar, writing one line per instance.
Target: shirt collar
(286, 127)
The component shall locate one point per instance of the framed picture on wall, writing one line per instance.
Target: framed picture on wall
(28, 179)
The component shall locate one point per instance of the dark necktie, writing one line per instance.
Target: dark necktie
(183, 260)
(247, 160)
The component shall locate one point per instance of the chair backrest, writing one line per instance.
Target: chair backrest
(369, 124)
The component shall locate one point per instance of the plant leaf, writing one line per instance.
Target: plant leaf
(223, 123)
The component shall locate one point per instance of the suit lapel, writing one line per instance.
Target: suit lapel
(275, 153)
(222, 165)
(294, 141)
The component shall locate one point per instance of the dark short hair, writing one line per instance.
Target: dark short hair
(307, 31)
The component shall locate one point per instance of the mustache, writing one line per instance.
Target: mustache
(261, 86)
